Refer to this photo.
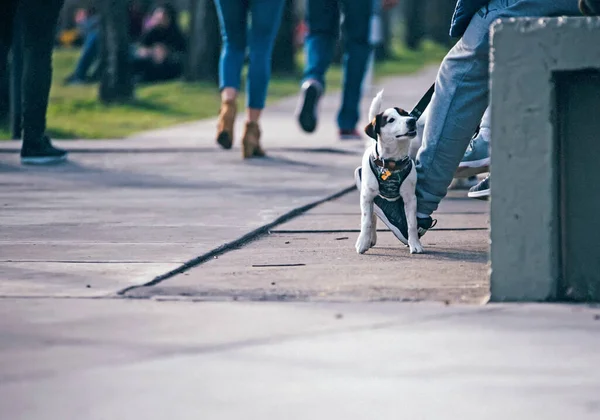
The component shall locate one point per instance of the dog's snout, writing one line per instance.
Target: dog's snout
(411, 123)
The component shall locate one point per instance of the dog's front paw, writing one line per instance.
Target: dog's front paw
(363, 243)
(373, 238)
(415, 246)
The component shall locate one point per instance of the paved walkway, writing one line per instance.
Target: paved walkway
(73, 359)
(123, 213)
(199, 224)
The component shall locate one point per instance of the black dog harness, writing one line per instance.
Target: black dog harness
(390, 175)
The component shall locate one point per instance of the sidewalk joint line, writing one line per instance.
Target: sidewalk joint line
(238, 243)
(291, 231)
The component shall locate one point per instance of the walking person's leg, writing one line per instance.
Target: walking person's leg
(266, 19)
(323, 20)
(39, 26)
(357, 48)
(89, 54)
(233, 19)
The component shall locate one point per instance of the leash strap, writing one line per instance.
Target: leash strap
(423, 102)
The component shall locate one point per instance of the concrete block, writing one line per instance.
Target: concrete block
(531, 242)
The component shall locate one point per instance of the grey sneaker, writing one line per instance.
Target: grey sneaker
(476, 159)
(392, 214)
(481, 191)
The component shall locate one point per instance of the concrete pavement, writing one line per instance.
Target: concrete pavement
(312, 258)
(122, 213)
(99, 359)
(348, 342)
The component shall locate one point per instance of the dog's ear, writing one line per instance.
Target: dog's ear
(401, 112)
(373, 128)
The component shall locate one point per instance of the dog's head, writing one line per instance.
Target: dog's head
(393, 124)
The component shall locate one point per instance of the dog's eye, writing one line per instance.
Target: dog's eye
(391, 120)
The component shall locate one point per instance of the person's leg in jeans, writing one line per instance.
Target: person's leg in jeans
(266, 19)
(357, 18)
(461, 97)
(89, 54)
(39, 25)
(456, 108)
(323, 20)
(233, 19)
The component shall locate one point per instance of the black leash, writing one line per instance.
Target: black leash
(423, 102)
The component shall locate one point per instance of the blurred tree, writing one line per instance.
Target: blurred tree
(116, 83)
(204, 45)
(383, 50)
(439, 14)
(4, 96)
(284, 51)
(414, 18)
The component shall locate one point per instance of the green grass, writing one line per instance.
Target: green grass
(75, 112)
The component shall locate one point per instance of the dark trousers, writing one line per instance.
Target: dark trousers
(323, 20)
(38, 23)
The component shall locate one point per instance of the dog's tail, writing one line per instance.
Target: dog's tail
(376, 105)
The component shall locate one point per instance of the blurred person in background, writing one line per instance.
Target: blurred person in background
(38, 22)
(322, 19)
(159, 55)
(88, 22)
(258, 36)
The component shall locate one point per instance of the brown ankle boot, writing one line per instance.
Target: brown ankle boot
(225, 124)
(251, 141)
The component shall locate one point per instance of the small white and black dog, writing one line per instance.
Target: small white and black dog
(388, 171)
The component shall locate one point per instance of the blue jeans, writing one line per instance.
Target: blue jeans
(89, 53)
(323, 18)
(259, 38)
(461, 96)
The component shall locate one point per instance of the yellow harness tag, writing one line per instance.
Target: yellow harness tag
(386, 174)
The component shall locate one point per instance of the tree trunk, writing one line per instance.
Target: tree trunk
(284, 51)
(414, 16)
(204, 46)
(116, 83)
(4, 95)
(16, 77)
(383, 51)
(439, 14)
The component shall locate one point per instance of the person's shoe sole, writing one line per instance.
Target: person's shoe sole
(379, 213)
(307, 117)
(467, 172)
(463, 183)
(480, 195)
(43, 160)
(472, 168)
